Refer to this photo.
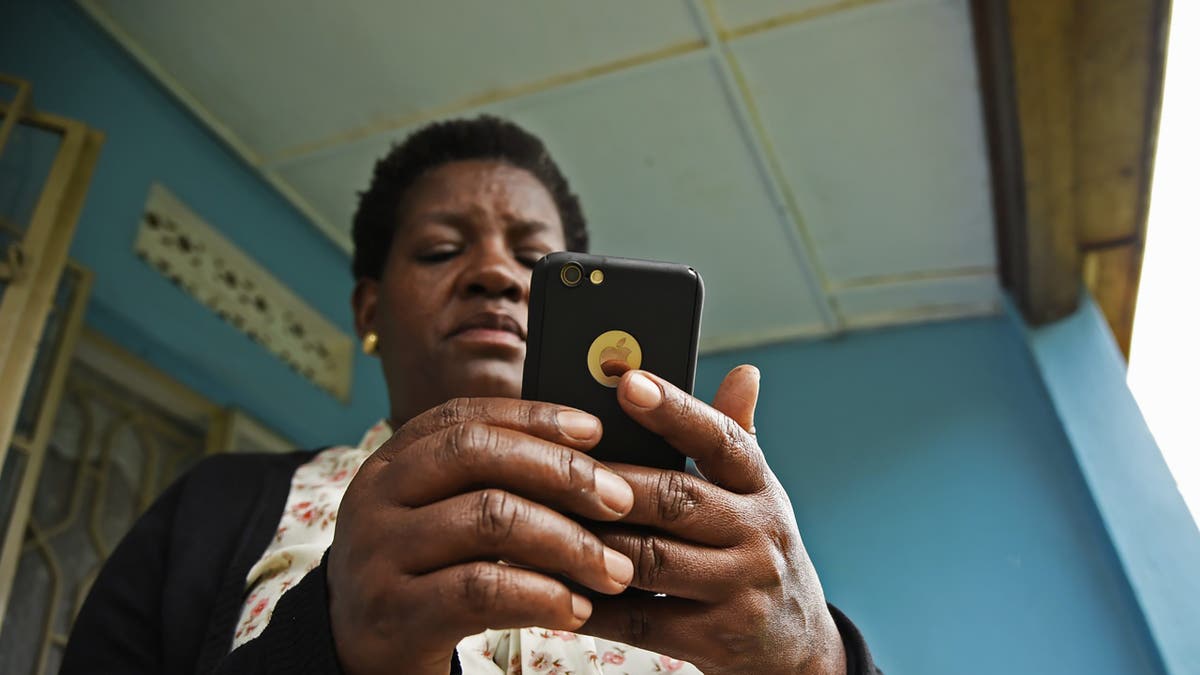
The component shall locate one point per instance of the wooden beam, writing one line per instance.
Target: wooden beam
(1119, 59)
(1117, 87)
(1111, 275)
(1072, 91)
(1042, 73)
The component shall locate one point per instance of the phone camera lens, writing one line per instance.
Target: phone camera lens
(571, 274)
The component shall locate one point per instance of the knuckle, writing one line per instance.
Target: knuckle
(677, 497)
(650, 554)
(454, 411)
(568, 467)
(540, 418)
(688, 408)
(468, 439)
(736, 643)
(480, 587)
(780, 537)
(589, 550)
(496, 516)
(733, 437)
(746, 636)
(531, 414)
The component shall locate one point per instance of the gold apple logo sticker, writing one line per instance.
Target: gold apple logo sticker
(611, 354)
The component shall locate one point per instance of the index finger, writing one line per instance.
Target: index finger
(551, 422)
(727, 454)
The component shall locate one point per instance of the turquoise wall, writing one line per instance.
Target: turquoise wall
(1153, 534)
(77, 71)
(933, 482)
(940, 501)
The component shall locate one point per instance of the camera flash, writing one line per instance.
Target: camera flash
(597, 277)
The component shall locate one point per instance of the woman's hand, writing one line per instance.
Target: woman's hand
(472, 481)
(744, 597)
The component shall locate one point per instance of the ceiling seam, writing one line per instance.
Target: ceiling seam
(335, 141)
(741, 101)
(477, 101)
(714, 44)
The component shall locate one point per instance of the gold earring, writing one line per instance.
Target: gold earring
(369, 342)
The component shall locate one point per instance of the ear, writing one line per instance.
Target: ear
(364, 300)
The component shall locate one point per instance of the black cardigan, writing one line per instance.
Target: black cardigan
(168, 598)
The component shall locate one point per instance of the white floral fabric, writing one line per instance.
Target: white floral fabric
(306, 530)
(527, 651)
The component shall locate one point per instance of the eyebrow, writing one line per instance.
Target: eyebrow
(523, 228)
(453, 218)
(459, 220)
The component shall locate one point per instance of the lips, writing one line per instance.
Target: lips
(490, 321)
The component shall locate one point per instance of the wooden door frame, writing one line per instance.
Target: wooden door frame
(1072, 92)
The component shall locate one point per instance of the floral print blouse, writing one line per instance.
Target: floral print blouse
(306, 530)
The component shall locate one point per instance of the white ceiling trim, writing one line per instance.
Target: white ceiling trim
(926, 314)
(988, 272)
(763, 337)
(888, 319)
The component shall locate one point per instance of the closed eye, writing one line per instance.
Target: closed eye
(438, 255)
(530, 257)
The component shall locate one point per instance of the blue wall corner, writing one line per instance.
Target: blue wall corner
(1147, 520)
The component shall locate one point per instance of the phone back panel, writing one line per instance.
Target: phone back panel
(656, 303)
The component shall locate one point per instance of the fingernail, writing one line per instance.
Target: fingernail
(581, 607)
(577, 425)
(613, 490)
(619, 567)
(643, 392)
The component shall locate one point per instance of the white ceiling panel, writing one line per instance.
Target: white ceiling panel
(663, 173)
(285, 75)
(866, 112)
(875, 117)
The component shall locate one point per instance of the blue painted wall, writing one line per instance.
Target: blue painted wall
(79, 72)
(1146, 518)
(939, 498)
(934, 484)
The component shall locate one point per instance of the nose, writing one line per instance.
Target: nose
(496, 273)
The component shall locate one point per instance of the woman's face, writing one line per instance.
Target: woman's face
(451, 306)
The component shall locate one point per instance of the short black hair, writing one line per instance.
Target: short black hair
(484, 137)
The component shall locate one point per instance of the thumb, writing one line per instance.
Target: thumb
(738, 395)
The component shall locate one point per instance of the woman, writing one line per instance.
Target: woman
(380, 558)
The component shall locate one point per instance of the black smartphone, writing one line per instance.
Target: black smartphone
(593, 317)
